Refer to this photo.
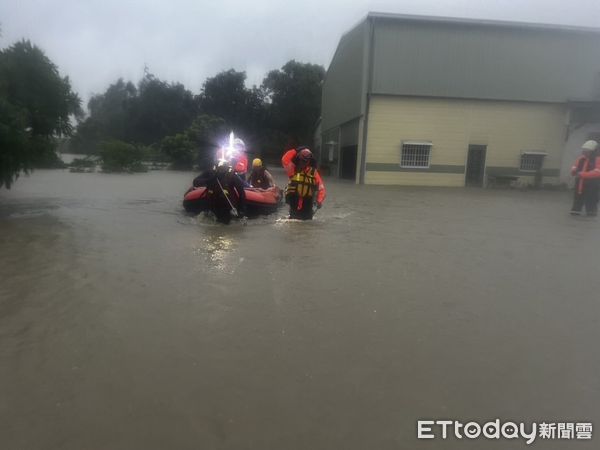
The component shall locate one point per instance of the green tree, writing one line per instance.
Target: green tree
(196, 145)
(294, 97)
(110, 118)
(36, 107)
(118, 156)
(160, 109)
(225, 95)
(87, 137)
(207, 133)
(179, 150)
(144, 114)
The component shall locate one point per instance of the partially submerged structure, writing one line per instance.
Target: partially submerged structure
(433, 101)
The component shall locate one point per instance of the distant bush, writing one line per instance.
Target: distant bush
(180, 151)
(195, 145)
(153, 154)
(81, 163)
(119, 156)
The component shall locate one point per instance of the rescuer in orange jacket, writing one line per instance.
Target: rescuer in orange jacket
(235, 154)
(305, 185)
(239, 160)
(587, 172)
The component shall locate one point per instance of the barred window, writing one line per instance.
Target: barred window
(532, 162)
(415, 154)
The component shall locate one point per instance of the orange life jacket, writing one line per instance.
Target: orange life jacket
(303, 183)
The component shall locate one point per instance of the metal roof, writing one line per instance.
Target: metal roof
(436, 57)
(447, 57)
(482, 22)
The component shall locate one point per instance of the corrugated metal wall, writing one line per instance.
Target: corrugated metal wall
(486, 62)
(343, 86)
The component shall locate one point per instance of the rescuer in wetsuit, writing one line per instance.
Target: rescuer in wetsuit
(305, 184)
(225, 193)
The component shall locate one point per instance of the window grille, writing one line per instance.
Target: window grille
(415, 154)
(532, 162)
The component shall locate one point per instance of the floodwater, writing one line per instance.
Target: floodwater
(125, 324)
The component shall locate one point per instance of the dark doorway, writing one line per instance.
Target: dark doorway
(475, 165)
(348, 162)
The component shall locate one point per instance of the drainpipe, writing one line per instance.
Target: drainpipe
(367, 99)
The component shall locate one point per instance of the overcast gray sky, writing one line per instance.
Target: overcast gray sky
(95, 42)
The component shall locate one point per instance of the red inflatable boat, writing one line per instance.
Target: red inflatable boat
(258, 201)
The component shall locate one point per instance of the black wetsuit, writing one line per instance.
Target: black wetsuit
(225, 188)
(203, 178)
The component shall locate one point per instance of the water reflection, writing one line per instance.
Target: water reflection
(216, 253)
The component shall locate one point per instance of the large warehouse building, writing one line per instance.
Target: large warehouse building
(450, 102)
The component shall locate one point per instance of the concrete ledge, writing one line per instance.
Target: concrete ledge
(516, 172)
(434, 168)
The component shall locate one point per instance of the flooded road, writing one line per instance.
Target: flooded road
(125, 324)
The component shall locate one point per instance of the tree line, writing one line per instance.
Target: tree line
(152, 118)
(36, 107)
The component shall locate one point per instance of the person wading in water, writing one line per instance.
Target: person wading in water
(305, 185)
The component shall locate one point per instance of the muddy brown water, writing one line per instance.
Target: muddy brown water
(125, 324)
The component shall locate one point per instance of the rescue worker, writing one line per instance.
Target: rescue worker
(260, 176)
(586, 171)
(201, 179)
(226, 196)
(305, 184)
(239, 159)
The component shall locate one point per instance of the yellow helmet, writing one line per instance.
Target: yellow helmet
(256, 162)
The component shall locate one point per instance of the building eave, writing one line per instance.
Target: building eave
(482, 22)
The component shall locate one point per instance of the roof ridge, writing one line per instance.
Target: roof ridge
(488, 22)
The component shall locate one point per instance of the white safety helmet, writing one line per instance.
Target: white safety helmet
(238, 144)
(589, 145)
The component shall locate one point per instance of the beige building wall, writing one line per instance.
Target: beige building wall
(507, 128)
